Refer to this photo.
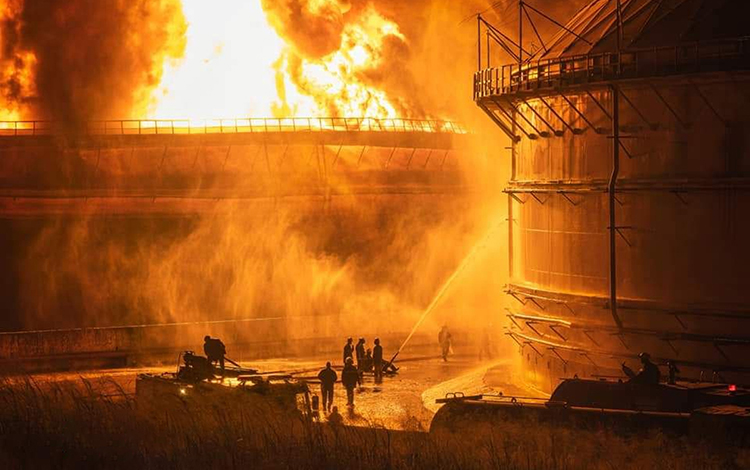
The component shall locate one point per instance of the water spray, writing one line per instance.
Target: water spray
(446, 285)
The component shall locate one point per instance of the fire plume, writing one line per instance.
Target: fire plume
(79, 60)
(290, 58)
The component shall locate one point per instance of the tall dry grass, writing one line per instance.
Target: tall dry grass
(77, 425)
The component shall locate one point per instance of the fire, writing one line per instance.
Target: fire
(16, 70)
(236, 64)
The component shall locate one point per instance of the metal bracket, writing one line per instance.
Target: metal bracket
(721, 351)
(555, 132)
(226, 157)
(513, 320)
(678, 195)
(518, 199)
(197, 153)
(534, 301)
(622, 340)
(591, 338)
(503, 126)
(554, 351)
(554, 329)
(652, 127)
(574, 130)
(621, 234)
(582, 116)
(709, 105)
(408, 162)
(523, 116)
(671, 345)
(361, 154)
(515, 296)
(336, 158)
(682, 123)
(513, 121)
(593, 98)
(388, 162)
(589, 358)
(427, 160)
(529, 343)
(530, 324)
(538, 199)
(513, 337)
(679, 320)
(565, 195)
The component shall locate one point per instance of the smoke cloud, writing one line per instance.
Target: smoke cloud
(75, 60)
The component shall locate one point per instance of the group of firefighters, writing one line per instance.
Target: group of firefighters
(371, 360)
(351, 376)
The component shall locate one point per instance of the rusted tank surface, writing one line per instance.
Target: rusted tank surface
(629, 193)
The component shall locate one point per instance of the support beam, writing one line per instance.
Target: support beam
(578, 112)
(615, 92)
(575, 131)
(677, 117)
(651, 126)
(556, 132)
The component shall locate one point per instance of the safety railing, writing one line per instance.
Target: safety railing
(720, 55)
(227, 126)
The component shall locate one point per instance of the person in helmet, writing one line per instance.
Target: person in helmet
(348, 349)
(215, 351)
(649, 373)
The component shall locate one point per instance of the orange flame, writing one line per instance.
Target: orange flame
(17, 83)
(236, 64)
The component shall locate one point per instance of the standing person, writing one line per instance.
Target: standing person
(328, 378)
(444, 338)
(485, 348)
(360, 351)
(348, 349)
(377, 361)
(215, 351)
(350, 379)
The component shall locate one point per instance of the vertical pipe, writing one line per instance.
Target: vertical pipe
(479, 43)
(612, 219)
(520, 37)
(488, 50)
(619, 27)
(619, 36)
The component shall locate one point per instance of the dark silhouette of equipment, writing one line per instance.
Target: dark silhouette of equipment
(196, 368)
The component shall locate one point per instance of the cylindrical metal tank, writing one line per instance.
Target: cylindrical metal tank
(649, 130)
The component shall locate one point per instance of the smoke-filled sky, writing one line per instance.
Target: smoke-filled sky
(91, 59)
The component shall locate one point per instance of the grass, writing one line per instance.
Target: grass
(79, 425)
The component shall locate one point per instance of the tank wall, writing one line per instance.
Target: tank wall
(681, 213)
(709, 140)
(681, 247)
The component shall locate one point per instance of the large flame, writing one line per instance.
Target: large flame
(195, 59)
(236, 64)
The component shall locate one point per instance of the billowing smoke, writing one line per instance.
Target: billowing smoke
(75, 60)
(314, 27)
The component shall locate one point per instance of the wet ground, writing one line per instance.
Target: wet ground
(403, 401)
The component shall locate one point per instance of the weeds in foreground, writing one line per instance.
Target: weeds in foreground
(76, 426)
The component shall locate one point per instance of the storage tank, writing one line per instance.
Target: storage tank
(629, 196)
